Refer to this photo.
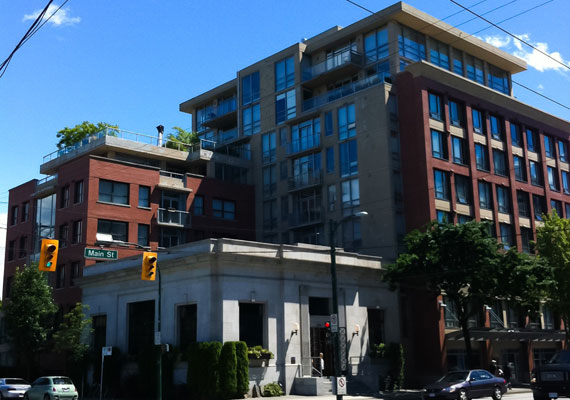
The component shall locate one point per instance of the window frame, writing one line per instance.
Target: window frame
(112, 195)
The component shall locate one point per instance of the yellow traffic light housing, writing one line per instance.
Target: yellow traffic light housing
(48, 255)
(148, 266)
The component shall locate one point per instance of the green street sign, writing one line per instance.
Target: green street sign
(100, 254)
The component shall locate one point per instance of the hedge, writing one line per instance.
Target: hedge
(228, 371)
(242, 369)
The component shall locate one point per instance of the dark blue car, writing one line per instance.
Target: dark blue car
(465, 385)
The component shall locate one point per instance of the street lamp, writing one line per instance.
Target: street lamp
(333, 226)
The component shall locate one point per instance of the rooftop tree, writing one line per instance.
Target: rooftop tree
(70, 136)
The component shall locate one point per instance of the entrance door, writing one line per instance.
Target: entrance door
(321, 342)
(512, 357)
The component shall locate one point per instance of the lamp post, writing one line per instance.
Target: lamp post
(333, 226)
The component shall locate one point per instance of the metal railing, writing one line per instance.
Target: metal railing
(310, 216)
(173, 217)
(343, 91)
(337, 60)
(305, 180)
(224, 107)
(46, 180)
(304, 143)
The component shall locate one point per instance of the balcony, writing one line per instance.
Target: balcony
(223, 115)
(172, 181)
(343, 91)
(305, 218)
(342, 63)
(45, 186)
(307, 180)
(304, 143)
(173, 218)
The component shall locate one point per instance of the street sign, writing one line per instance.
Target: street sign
(341, 385)
(107, 351)
(334, 323)
(100, 254)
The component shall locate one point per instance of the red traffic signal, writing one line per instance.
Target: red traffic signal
(327, 325)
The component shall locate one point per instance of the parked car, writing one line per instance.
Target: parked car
(464, 385)
(13, 388)
(52, 388)
(549, 381)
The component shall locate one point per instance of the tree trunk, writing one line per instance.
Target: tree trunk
(467, 338)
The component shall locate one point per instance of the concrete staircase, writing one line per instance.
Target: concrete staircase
(312, 386)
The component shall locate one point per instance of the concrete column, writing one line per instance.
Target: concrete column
(305, 326)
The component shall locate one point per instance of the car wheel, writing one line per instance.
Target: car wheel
(462, 395)
(539, 396)
(46, 397)
(26, 396)
(497, 393)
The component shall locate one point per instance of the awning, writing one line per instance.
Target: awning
(520, 335)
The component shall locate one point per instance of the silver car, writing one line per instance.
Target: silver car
(13, 388)
(52, 388)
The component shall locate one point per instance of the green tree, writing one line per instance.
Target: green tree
(71, 335)
(70, 136)
(553, 245)
(29, 315)
(182, 136)
(456, 260)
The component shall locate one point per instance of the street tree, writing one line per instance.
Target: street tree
(29, 314)
(182, 136)
(70, 136)
(458, 261)
(553, 245)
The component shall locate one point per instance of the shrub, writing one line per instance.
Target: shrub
(227, 370)
(272, 390)
(242, 370)
(203, 370)
(394, 354)
(257, 352)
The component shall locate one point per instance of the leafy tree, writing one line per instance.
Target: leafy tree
(456, 260)
(29, 314)
(182, 136)
(70, 136)
(553, 245)
(70, 337)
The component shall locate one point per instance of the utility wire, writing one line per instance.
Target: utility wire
(541, 95)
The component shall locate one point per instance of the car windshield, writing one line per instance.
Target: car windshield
(16, 381)
(454, 377)
(62, 381)
(560, 358)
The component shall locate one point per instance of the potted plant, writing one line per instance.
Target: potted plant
(258, 356)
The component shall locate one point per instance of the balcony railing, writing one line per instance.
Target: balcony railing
(304, 143)
(338, 59)
(225, 107)
(46, 180)
(343, 91)
(306, 180)
(168, 216)
(226, 136)
(306, 217)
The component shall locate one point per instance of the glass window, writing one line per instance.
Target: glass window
(412, 44)
(477, 121)
(438, 145)
(75, 273)
(284, 74)
(531, 143)
(553, 183)
(435, 107)
(567, 209)
(535, 173)
(285, 106)
(456, 113)
(556, 205)
(77, 232)
(566, 182)
(268, 147)
(283, 136)
(144, 196)
(346, 122)
(499, 162)
(526, 238)
(269, 180)
(523, 203)
(328, 123)
(23, 246)
(506, 235)
(516, 137)
(251, 120)
(348, 158)
(64, 199)
(305, 135)
(332, 197)
(457, 61)
(63, 236)
(330, 159)
(520, 170)
(496, 127)
(198, 205)
(481, 157)
(549, 147)
(143, 235)
(14, 215)
(187, 325)
(118, 229)
(224, 209)
(376, 45)
(439, 54)
(113, 192)
(459, 150)
(60, 277)
(443, 217)
(485, 196)
(539, 206)
(350, 196)
(498, 79)
(503, 200)
(250, 88)
(463, 219)
(463, 189)
(284, 170)
(562, 151)
(25, 211)
(441, 183)
(78, 192)
(474, 67)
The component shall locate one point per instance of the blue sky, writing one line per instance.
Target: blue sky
(131, 63)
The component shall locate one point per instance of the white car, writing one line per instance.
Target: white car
(52, 388)
(13, 388)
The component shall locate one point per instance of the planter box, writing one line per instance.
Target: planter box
(258, 362)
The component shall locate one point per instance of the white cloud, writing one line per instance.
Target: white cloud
(3, 224)
(540, 86)
(533, 57)
(61, 17)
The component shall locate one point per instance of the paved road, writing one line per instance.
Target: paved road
(526, 395)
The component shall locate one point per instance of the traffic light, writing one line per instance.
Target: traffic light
(149, 266)
(328, 325)
(48, 255)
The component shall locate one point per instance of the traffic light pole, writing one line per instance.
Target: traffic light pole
(337, 357)
(159, 363)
